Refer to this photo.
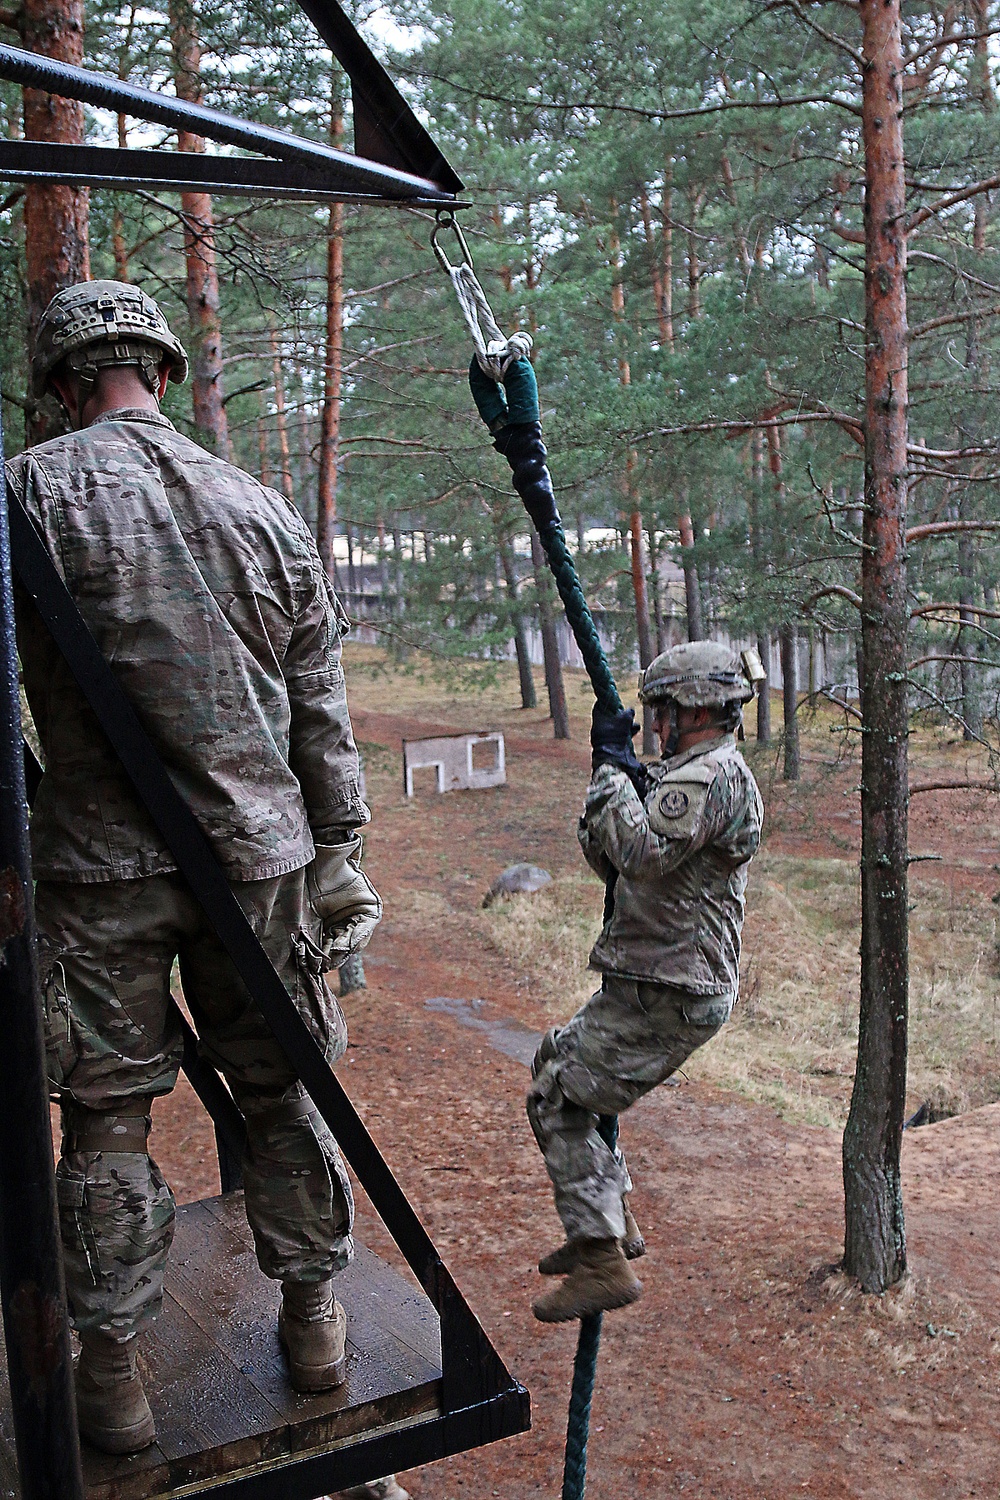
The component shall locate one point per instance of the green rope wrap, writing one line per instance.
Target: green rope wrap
(584, 1374)
(581, 621)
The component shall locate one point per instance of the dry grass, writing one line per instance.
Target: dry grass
(792, 1040)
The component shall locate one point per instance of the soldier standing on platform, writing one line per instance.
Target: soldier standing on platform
(206, 594)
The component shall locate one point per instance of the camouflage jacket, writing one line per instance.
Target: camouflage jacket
(207, 597)
(682, 856)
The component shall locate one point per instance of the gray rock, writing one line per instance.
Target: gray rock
(517, 880)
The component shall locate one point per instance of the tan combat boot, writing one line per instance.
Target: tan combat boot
(560, 1262)
(111, 1404)
(312, 1327)
(602, 1279)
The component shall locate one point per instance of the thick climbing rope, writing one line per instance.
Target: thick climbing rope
(504, 389)
(584, 1375)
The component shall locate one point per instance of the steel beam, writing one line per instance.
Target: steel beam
(353, 173)
(185, 171)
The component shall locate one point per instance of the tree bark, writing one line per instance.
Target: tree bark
(558, 712)
(787, 634)
(529, 698)
(791, 763)
(875, 1239)
(965, 646)
(692, 583)
(329, 444)
(281, 423)
(207, 387)
(764, 696)
(643, 631)
(56, 219)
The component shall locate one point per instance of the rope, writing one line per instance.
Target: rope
(494, 352)
(581, 621)
(518, 435)
(584, 1375)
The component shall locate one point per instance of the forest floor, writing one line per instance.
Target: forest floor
(751, 1367)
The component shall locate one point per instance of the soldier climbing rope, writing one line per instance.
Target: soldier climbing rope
(505, 391)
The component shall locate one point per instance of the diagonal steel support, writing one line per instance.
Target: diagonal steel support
(385, 127)
(353, 174)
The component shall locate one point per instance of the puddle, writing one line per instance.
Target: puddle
(508, 1037)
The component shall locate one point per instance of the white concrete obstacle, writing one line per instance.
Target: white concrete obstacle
(461, 761)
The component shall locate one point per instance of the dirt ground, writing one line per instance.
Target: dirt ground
(750, 1368)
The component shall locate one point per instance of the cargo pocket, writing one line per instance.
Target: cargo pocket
(712, 1011)
(315, 1001)
(75, 1225)
(60, 1047)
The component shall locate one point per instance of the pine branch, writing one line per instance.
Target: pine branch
(948, 528)
(949, 201)
(953, 786)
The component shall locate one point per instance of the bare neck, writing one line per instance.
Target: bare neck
(118, 387)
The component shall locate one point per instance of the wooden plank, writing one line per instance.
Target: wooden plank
(388, 1380)
(414, 1319)
(216, 1376)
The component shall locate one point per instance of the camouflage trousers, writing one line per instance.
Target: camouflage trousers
(628, 1038)
(113, 1040)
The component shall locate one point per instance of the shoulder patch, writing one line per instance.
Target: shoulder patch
(674, 803)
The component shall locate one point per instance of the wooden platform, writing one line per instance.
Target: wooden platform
(217, 1381)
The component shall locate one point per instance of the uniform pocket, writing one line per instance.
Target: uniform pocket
(316, 1002)
(711, 1010)
(60, 1047)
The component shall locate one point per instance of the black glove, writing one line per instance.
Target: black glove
(611, 739)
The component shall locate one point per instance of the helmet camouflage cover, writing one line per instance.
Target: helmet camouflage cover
(97, 323)
(701, 674)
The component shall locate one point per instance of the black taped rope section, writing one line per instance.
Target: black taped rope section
(584, 1375)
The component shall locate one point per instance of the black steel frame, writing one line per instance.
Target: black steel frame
(396, 160)
(481, 1402)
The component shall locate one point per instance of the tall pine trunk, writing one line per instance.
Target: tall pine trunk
(638, 566)
(875, 1239)
(280, 419)
(329, 444)
(787, 635)
(692, 583)
(57, 250)
(555, 687)
(643, 629)
(207, 388)
(529, 698)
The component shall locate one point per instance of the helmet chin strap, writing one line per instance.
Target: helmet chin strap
(673, 738)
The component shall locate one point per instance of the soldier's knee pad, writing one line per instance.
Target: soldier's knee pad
(124, 1127)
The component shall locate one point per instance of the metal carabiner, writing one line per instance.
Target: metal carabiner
(446, 220)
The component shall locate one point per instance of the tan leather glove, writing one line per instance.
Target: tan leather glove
(344, 898)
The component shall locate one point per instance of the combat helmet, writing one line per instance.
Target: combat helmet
(701, 674)
(98, 323)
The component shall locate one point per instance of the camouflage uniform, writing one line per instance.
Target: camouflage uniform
(669, 956)
(206, 594)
